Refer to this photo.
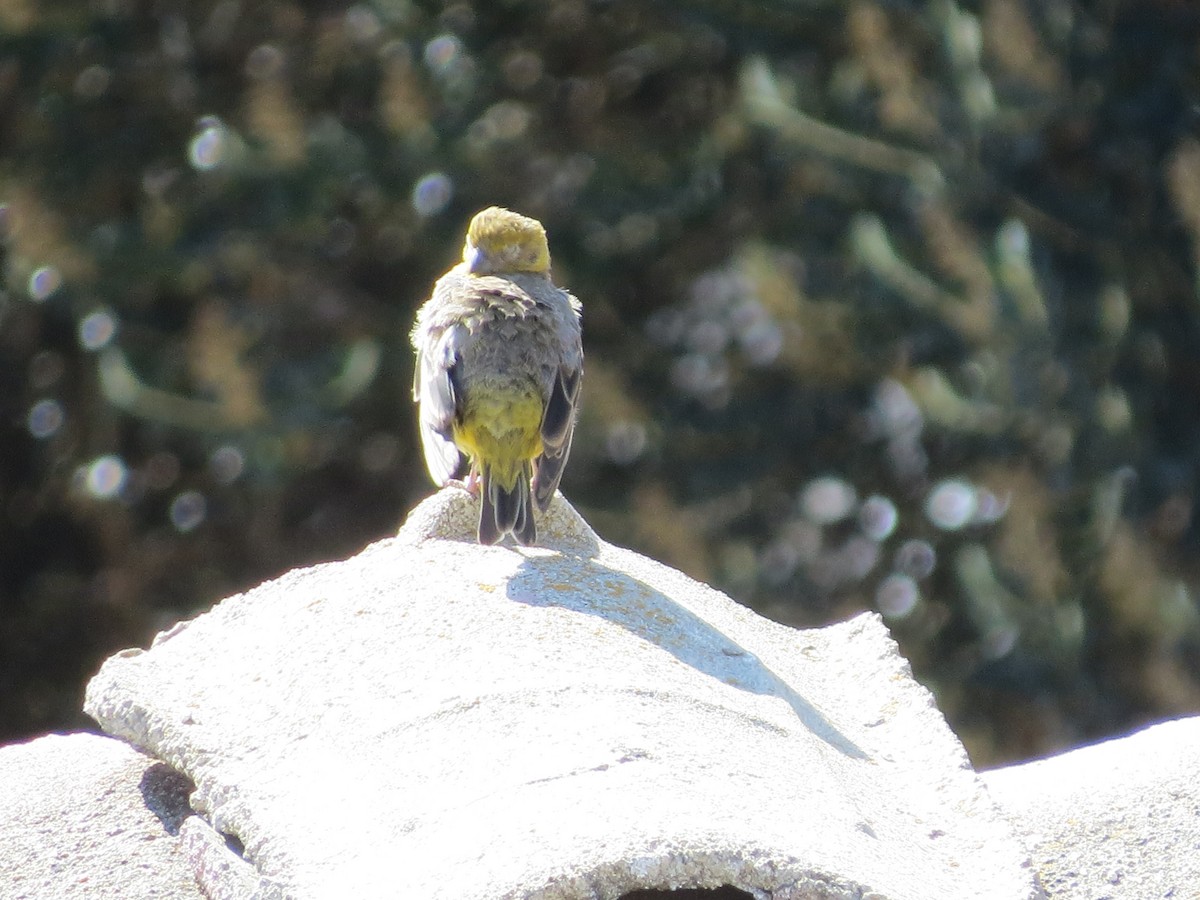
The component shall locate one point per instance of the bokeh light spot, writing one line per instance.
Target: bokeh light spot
(1000, 641)
(877, 517)
(188, 510)
(44, 281)
(97, 329)
(897, 596)
(827, 500)
(227, 463)
(1014, 238)
(894, 409)
(362, 25)
(209, 147)
(45, 419)
(988, 507)
(762, 342)
(45, 369)
(916, 558)
(442, 52)
(106, 475)
(951, 504)
(625, 442)
(432, 194)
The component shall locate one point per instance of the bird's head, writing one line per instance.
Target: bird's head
(500, 240)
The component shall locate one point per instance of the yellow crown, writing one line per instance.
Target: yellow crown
(500, 240)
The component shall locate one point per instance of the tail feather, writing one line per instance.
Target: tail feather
(506, 511)
(489, 527)
(525, 530)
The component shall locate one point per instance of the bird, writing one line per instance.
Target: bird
(499, 361)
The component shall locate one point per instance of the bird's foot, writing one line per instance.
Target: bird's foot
(470, 484)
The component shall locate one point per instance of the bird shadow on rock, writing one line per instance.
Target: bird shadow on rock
(570, 577)
(580, 584)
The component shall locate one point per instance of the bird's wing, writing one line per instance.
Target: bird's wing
(558, 421)
(558, 427)
(436, 390)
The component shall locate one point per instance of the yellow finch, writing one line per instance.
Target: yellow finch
(499, 360)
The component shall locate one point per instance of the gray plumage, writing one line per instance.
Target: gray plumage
(485, 337)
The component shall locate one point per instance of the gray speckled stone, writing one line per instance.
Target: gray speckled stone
(84, 816)
(1115, 821)
(433, 718)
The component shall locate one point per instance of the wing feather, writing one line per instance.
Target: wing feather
(436, 390)
(558, 428)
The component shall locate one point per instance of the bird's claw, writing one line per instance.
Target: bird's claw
(470, 484)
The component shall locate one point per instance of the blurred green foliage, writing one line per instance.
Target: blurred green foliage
(888, 305)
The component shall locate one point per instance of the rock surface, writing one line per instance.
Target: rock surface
(437, 719)
(84, 816)
(1115, 820)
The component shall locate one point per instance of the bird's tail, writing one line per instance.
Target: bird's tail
(506, 510)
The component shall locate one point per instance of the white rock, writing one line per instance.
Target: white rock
(84, 816)
(433, 718)
(1119, 819)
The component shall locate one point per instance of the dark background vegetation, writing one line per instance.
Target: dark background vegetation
(888, 305)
